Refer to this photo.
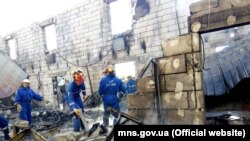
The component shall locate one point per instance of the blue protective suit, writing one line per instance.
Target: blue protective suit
(108, 89)
(24, 97)
(3, 122)
(4, 126)
(75, 102)
(131, 86)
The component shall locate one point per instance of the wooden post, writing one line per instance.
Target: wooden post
(196, 26)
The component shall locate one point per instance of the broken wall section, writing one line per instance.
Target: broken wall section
(84, 37)
(182, 99)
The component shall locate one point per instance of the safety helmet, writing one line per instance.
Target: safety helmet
(78, 75)
(26, 81)
(108, 70)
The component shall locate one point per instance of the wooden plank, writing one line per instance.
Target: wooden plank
(145, 85)
(170, 65)
(195, 27)
(214, 6)
(239, 3)
(172, 100)
(218, 20)
(20, 135)
(37, 136)
(140, 101)
(181, 44)
(222, 5)
(198, 81)
(179, 82)
(200, 100)
(196, 100)
(194, 61)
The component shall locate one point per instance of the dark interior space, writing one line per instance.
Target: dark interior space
(233, 108)
(237, 98)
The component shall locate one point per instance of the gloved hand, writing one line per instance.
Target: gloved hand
(19, 107)
(77, 112)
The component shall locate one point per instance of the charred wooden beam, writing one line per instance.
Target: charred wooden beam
(207, 21)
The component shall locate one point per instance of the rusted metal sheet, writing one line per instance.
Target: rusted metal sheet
(11, 76)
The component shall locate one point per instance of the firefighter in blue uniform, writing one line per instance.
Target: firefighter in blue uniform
(131, 85)
(110, 85)
(4, 126)
(75, 102)
(24, 96)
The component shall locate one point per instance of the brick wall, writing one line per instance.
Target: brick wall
(182, 100)
(85, 30)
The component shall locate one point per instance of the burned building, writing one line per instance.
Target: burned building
(190, 57)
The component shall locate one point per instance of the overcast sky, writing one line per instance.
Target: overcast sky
(16, 14)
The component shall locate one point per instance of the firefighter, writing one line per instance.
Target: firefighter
(109, 86)
(4, 126)
(24, 96)
(74, 89)
(131, 85)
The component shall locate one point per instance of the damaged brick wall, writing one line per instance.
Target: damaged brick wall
(83, 35)
(180, 82)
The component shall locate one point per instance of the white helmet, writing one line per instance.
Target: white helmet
(26, 81)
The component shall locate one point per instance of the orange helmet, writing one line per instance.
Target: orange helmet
(78, 76)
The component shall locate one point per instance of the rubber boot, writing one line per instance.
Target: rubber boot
(76, 124)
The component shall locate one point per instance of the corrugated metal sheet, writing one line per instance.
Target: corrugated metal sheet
(225, 69)
(11, 76)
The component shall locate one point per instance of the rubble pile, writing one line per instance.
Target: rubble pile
(50, 119)
(93, 101)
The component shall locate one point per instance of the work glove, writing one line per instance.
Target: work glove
(77, 112)
(19, 107)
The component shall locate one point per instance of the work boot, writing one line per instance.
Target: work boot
(103, 130)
